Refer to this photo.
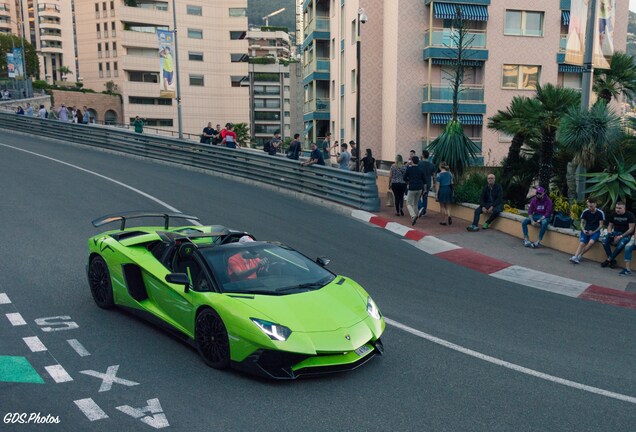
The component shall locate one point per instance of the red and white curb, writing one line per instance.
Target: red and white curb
(501, 269)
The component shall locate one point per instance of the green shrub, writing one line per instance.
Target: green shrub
(40, 85)
(469, 189)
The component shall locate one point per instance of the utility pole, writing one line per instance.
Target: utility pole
(176, 60)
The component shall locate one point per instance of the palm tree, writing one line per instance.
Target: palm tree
(619, 78)
(65, 70)
(554, 104)
(517, 121)
(589, 137)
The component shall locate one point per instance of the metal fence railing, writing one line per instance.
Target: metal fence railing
(349, 188)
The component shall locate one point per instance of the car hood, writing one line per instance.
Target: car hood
(342, 303)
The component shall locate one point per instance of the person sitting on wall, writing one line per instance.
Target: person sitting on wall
(490, 204)
(539, 213)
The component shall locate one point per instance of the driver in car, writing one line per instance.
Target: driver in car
(244, 265)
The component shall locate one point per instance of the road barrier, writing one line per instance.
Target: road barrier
(349, 188)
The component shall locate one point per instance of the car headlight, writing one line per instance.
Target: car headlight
(372, 309)
(273, 330)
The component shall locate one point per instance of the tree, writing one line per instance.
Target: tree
(65, 70)
(242, 131)
(554, 104)
(619, 78)
(111, 87)
(515, 120)
(7, 43)
(453, 146)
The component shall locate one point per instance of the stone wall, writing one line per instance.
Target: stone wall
(98, 102)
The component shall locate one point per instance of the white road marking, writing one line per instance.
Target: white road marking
(109, 378)
(91, 410)
(60, 322)
(34, 343)
(397, 228)
(124, 185)
(157, 419)
(542, 281)
(4, 299)
(78, 347)
(16, 319)
(511, 366)
(58, 373)
(361, 215)
(433, 245)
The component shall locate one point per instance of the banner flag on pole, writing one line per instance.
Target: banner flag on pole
(10, 65)
(168, 78)
(603, 32)
(18, 63)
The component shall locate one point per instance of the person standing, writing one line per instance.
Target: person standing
(63, 113)
(620, 228)
(397, 184)
(74, 114)
(414, 177)
(539, 213)
(325, 147)
(53, 113)
(445, 193)
(429, 175)
(138, 124)
(29, 110)
(216, 140)
(490, 203)
(368, 163)
(344, 157)
(273, 145)
(207, 134)
(354, 155)
(229, 136)
(87, 117)
(42, 112)
(592, 220)
(316, 156)
(294, 148)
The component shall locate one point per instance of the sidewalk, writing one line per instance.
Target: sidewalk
(502, 253)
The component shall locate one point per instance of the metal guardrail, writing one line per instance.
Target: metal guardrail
(344, 187)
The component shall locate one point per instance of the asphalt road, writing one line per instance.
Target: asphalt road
(418, 385)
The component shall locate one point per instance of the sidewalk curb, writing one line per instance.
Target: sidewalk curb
(500, 269)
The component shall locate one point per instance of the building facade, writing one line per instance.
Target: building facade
(405, 64)
(117, 42)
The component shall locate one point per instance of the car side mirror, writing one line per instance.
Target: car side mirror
(323, 261)
(179, 279)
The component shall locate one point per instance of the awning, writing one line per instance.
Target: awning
(450, 61)
(570, 68)
(465, 119)
(565, 17)
(468, 11)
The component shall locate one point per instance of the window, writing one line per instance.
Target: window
(112, 8)
(521, 77)
(99, 33)
(353, 125)
(196, 80)
(99, 50)
(115, 70)
(267, 115)
(145, 77)
(107, 70)
(101, 71)
(333, 48)
(237, 80)
(354, 35)
(113, 33)
(115, 49)
(237, 35)
(238, 58)
(523, 23)
(333, 89)
(267, 103)
(195, 33)
(96, 10)
(105, 30)
(138, 100)
(194, 10)
(287, 114)
(238, 12)
(155, 122)
(195, 56)
(353, 80)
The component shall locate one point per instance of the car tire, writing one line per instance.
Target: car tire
(211, 339)
(100, 283)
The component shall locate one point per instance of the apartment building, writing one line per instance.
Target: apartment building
(48, 26)
(117, 41)
(406, 97)
(269, 77)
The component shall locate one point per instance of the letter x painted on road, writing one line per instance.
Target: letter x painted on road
(109, 378)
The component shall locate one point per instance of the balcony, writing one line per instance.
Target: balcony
(317, 105)
(50, 25)
(320, 65)
(49, 10)
(52, 49)
(140, 63)
(5, 10)
(563, 43)
(145, 16)
(54, 37)
(138, 39)
(318, 28)
(467, 93)
(440, 43)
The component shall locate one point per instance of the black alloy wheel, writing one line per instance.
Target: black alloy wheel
(100, 284)
(212, 340)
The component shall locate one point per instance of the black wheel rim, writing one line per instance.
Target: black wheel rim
(212, 338)
(98, 277)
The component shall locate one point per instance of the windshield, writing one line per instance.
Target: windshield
(263, 268)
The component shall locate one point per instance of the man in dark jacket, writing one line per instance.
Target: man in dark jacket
(414, 176)
(490, 204)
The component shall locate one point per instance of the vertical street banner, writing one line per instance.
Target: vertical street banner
(18, 63)
(603, 32)
(10, 65)
(167, 80)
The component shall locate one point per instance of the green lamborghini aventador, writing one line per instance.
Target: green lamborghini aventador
(256, 306)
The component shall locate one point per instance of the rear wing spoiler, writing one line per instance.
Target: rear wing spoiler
(123, 217)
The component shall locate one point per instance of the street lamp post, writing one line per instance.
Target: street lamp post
(24, 69)
(362, 19)
(176, 60)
